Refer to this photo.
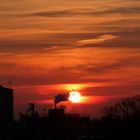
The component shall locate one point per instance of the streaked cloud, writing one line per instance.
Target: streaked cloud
(98, 40)
(87, 12)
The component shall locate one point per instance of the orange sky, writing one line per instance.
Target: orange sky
(48, 47)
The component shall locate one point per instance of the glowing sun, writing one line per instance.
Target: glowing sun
(74, 97)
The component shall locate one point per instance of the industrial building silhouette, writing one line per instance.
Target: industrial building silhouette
(57, 124)
(6, 106)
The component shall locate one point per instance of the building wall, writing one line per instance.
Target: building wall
(6, 106)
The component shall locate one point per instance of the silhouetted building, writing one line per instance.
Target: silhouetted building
(56, 114)
(6, 106)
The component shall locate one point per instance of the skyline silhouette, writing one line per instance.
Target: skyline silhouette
(121, 119)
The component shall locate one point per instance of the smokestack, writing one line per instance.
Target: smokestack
(31, 109)
(60, 98)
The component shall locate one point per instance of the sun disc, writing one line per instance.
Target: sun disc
(74, 97)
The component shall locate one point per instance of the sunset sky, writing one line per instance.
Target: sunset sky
(53, 46)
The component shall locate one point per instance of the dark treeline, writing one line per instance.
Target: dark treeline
(121, 120)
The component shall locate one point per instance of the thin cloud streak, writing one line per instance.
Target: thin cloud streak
(98, 40)
(86, 12)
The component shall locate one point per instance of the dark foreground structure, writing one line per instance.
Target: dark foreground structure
(56, 125)
(6, 107)
(120, 121)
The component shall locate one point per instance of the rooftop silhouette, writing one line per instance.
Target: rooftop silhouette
(121, 120)
(6, 106)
